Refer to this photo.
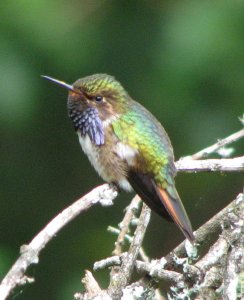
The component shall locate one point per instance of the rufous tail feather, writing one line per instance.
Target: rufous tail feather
(176, 210)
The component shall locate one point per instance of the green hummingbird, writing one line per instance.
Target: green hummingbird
(126, 144)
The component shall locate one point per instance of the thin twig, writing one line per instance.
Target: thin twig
(129, 238)
(30, 253)
(125, 224)
(121, 278)
(115, 260)
(154, 268)
(92, 289)
(90, 284)
(158, 272)
(221, 143)
(116, 231)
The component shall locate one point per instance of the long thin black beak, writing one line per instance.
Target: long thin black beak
(62, 83)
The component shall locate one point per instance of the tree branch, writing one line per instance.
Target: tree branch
(211, 165)
(211, 266)
(120, 279)
(125, 224)
(221, 143)
(104, 195)
(206, 232)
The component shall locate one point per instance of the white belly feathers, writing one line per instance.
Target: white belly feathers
(125, 152)
(92, 153)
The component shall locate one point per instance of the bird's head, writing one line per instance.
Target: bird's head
(100, 91)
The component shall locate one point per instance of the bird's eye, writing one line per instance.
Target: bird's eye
(98, 98)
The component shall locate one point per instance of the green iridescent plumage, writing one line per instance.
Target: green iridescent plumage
(126, 144)
(101, 82)
(136, 129)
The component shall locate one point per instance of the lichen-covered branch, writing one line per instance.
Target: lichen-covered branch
(125, 224)
(121, 278)
(206, 232)
(212, 276)
(211, 165)
(103, 194)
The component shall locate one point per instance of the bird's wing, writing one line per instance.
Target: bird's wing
(144, 187)
(161, 201)
(152, 175)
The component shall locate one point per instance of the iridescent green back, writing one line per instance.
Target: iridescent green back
(139, 129)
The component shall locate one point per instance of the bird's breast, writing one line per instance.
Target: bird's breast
(111, 160)
(92, 152)
(127, 153)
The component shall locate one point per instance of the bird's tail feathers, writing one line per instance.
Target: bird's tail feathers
(176, 210)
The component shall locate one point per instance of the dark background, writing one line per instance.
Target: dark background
(183, 60)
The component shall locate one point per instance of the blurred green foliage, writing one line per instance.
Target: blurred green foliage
(183, 60)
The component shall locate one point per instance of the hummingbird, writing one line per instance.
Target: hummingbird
(126, 144)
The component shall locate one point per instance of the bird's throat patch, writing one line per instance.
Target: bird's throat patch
(88, 123)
